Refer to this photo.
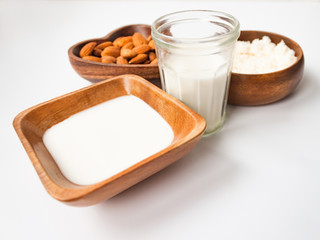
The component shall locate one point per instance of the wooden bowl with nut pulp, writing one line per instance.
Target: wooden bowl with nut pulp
(265, 88)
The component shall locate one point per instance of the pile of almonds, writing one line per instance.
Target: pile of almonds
(135, 49)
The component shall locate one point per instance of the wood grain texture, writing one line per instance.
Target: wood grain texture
(30, 125)
(259, 89)
(97, 71)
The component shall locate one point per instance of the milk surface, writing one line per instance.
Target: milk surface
(194, 29)
(101, 141)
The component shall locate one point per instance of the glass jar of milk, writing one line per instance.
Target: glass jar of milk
(195, 50)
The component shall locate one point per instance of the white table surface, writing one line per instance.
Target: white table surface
(259, 178)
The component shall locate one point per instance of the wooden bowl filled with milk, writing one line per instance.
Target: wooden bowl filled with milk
(92, 144)
(267, 68)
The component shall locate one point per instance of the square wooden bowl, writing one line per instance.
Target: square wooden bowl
(31, 124)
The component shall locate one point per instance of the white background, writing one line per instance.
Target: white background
(259, 178)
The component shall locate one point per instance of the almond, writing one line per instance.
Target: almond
(149, 38)
(139, 59)
(97, 52)
(155, 61)
(138, 39)
(152, 56)
(111, 51)
(103, 45)
(141, 49)
(108, 59)
(152, 45)
(92, 58)
(128, 53)
(147, 62)
(121, 60)
(129, 45)
(87, 49)
(123, 41)
(115, 42)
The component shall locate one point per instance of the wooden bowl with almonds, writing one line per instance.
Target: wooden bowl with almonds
(126, 50)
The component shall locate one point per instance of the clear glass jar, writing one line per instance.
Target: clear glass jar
(195, 51)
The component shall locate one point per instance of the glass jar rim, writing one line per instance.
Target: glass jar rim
(233, 34)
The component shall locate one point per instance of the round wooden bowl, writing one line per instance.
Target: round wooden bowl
(96, 71)
(259, 89)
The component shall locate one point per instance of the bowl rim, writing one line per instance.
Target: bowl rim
(65, 194)
(106, 37)
(267, 33)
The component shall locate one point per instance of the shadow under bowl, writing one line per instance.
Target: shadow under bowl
(31, 124)
(97, 71)
(259, 89)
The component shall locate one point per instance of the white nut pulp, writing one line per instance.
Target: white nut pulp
(195, 50)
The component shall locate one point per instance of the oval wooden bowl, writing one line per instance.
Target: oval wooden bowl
(259, 89)
(96, 72)
(31, 124)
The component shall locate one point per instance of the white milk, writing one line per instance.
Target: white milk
(201, 82)
(101, 141)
